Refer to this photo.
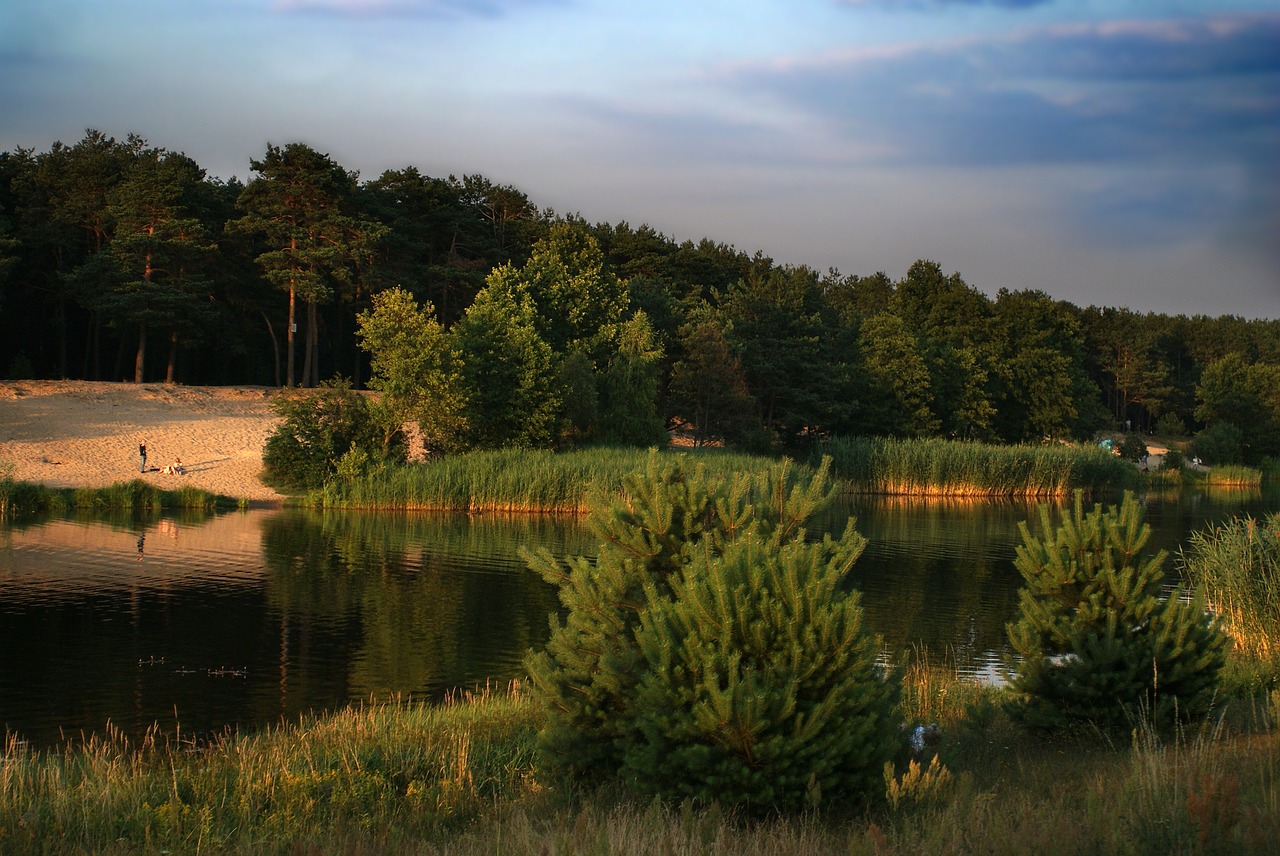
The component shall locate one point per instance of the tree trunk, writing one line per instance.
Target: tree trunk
(140, 360)
(173, 356)
(293, 327)
(307, 347)
(275, 346)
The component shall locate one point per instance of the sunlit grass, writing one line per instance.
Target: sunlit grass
(463, 778)
(934, 467)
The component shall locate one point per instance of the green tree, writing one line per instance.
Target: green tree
(155, 270)
(415, 366)
(708, 389)
(898, 389)
(631, 386)
(508, 373)
(298, 206)
(711, 650)
(1099, 639)
(1245, 395)
(577, 303)
(1039, 367)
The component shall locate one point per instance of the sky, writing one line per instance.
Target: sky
(1119, 153)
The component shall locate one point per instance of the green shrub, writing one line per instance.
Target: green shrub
(711, 651)
(1133, 448)
(1097, 640)
(1170, 425)
(1173, 460)
(1220, 443)
(319, 427)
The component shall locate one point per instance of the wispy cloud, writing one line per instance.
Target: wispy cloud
(1066, 94)
(422, 8)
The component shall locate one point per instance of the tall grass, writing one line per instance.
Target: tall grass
(23, 498)
(511, 480)
(1238, 564)
(463, 778)
(381, 774)
(953, 468)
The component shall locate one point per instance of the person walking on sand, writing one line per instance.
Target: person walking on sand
(142, 455)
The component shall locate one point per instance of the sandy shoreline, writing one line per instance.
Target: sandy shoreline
(86, 434)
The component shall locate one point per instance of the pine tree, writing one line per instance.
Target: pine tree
(712, 651)
(1100, 640)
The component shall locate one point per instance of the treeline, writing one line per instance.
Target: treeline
(123, 261)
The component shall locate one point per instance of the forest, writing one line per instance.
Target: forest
(124, 261)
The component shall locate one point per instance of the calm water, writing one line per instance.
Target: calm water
(246, 618)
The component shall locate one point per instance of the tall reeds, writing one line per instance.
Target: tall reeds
(935, 467)
(509, 480)
(1238, 564)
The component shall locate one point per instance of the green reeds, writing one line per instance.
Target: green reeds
(1238, 564)
(22, 498)
(934, 467)
(510, 480)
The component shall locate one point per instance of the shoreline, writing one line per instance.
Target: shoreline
(85, 434)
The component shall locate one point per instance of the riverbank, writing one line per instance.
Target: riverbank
(77, 434)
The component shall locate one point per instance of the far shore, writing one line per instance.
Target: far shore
(72, 434)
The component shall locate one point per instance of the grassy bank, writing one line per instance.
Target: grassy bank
(17, 497)
(935, 467)
(464, 778)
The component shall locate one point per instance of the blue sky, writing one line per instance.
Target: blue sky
(1107, 152)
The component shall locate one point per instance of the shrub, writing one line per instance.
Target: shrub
(711, 651)
(1170, 425)
(1133, 448)
(1173, 460)
(1220, 443)
(1097, 642)
(319, 427)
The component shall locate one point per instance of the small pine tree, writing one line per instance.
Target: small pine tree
(1099, 641)
(712, 651)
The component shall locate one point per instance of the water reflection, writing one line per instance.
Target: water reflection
(246, 618)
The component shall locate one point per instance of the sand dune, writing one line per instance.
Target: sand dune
(86, 434)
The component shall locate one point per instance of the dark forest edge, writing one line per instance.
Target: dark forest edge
(541, 330)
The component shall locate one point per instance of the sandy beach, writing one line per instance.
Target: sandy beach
(86, 434)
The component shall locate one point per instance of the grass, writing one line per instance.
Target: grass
(463, 778)
(23, 498)
(933, 467)
(542, 481)
(1238, 564)
(511, 480)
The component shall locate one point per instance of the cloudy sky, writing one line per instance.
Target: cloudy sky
(1108, 152)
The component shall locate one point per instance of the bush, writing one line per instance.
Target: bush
(712, 652)
(319, 427)
(1133, 448)
(1170, 425)
(1220, 443)
(1098, 643)
(1173, 460)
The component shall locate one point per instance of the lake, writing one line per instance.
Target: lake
(202, 623)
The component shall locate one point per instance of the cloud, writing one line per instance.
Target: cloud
(418, 8)
(927, 4)
(1067, 94)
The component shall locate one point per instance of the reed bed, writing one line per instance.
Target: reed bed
(512, 480)
(935, 467)
(1230, 475)
(1238, 564)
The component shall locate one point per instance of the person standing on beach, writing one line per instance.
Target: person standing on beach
(142, 454)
